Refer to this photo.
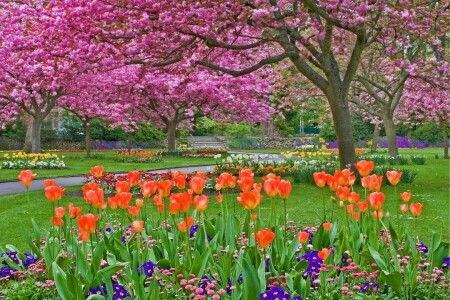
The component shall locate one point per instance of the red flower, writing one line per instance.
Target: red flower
(327, 226)
(246, 183)
(303, 237)
(284, 189)
(271, 176)
(88, 222)
(186, 224)
(57, 221)
(364, 167)
(148, 188)
(201, 202)
(372, 182)
(363, 206)
(97, 171)
(74, 211)
(134, 210)
(26, 177)
(123, 199)
(49, 182)
(197, 184)
(134, 177)
(332, 183)
(122, 186)
(164, 187)
(180, 179)
(139, 202)
(324, 253)
(342, 193)
(403, 208)
(264, 237)
(246, 173)
(250, 200)
(320, 178)
(95, 198)
(406, 196)
(353, 197)
(394, 177)
(180, 202)
(59, 212)
(53, 193)
(225, 180)
(270, 187)
(416, 209)
(377, 214)
(219, 198)
(376, 200)
(137, 226)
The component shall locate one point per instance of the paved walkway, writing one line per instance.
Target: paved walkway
(38, 184)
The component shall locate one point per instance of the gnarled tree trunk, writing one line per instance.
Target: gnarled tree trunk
(389, 127)
(375, 138)
(171, 136)
(36, 135)
(87, 138)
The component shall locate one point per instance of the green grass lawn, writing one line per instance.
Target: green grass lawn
(78, 164)
(304, 206)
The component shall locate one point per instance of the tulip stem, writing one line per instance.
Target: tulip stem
(256, 246)
(285, 220)
(204, 229)
(323, 201)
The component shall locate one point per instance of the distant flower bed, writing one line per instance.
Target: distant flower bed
(138, 156)
(307, 151)
(22, 160)
(204, 153)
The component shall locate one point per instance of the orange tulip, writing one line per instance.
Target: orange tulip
(377, 214)
(201, 202)
(356, 216)
(88, 222)
(164, 187)
(97, 171)
(350, 209)
(394, 177)
(49, 182)
(258, 186)
(122, 186)
(186, 224)
(84, 236)
(139, 202)
(342, 193)
(160, 207)
(416, 209)
(364, 167)
(89, 186)
(26, 177)
(284, 189)
(225, 180)
(134, 177)
(201, 175)
(95, 198)
(197, 184)
(320, 179)
(406, 196)
(57, 221)
(270, 187)
(324, 253)
(148, 188)
(327, 226)
(180, 202)
(264, 237)
(271, 176)
(403, 208)
(53, 193)
(138, 226)
(363, 206)
(219, 198)
(372, 182)
(246, 183)
(342, 177)
(303, 237)
(180, 179)
(253, 216)
(250, 200)
(59, 212)
(158, 200)
(353, 197)
(351, 180)
(376, 200)
(74, 211)
(246, 173)
(112, 202)
(332, 183)
(123, 199)
(134, 210)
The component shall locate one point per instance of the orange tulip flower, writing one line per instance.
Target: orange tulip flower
(376, 200)
(139, 202)
(180, 179)
(416, 209)
(284, 189)
(356, 216)
(180, 202)
(394, 177)
(158, 199)
(164, 187)
(353, 197)
(342, 193)
(138, 226)
(201, 202)
(134, 210)
(88, 222)
(84, 236)
(186, 224)
(148, 188)
(197, 184)
(123, 199)
(372, 182)
(332, 183)
(303, 237)
(250, 200)
(123, 186)
(49, 182)
(351, 180)
(112, 202)
(59, 212)
(219, 198)
(133, 177)
(246, 183)
(350, 209)
(96, 198)
(202, 175)
(97, 171)
(363, 206)
(405, 196)
(258, 186)
(57, 221)
(53, 193)
(324, 253)
(89, 186)
(26, 177)
(246, 173)
(270, 187)
(327, 226)
(342, 176)
(377, 214)
(225, 180)
(74, 211)
(264, 237)
(403, 208)
(364, 167)
(271, 176)
(320, 179)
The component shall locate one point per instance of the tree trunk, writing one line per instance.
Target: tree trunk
(36, 135)
(445, 130)
(343, 126)
(171, 136)
(389, 127)
(27, 144)
(375, 138)
(87, 138)
(130, 142)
